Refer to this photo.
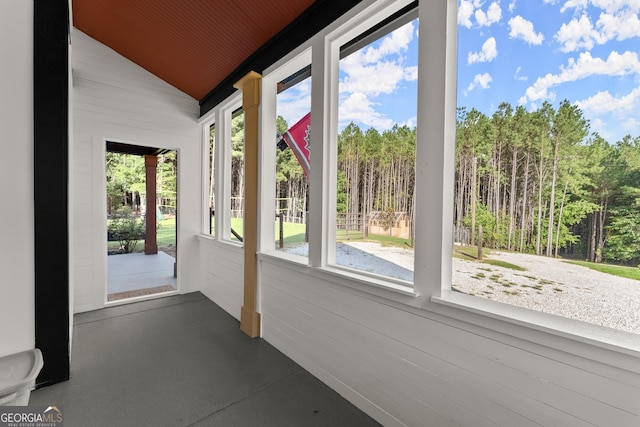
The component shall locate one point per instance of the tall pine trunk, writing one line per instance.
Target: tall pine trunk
(552, 201)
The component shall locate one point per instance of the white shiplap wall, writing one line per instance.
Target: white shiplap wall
(222, 274)
(114, 99)
(17, 319)
(407, 368)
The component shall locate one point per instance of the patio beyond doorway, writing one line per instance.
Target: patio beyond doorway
(136, 274)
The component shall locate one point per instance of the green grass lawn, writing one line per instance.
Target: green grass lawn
(471, 253)
(616, 270)
(468, 252)
(292, 233)
(390, 241)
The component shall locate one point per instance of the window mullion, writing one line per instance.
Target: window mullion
(324, 98)
(435, 148)
(223, 174)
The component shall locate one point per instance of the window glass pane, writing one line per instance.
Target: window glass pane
(376, 152)
(292, 162)
(211, 192)
(547, 167)
(237, 176)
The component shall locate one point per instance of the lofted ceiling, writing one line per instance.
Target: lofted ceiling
(193, 44)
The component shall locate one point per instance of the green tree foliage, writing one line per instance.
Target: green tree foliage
(537, 181)
(237, 162)
(125, 174)
(126, 180)
(623, 244)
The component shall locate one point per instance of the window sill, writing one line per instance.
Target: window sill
(365, 285)
(363, 279)
(526, 324)
(211, 239)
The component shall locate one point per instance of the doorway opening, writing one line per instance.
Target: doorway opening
(142, 212)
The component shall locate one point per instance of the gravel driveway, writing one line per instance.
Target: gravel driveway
(553, 286)
(548, 285)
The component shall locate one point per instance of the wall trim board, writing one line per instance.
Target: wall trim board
(51, 164)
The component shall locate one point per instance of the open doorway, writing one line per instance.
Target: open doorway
(142, 212)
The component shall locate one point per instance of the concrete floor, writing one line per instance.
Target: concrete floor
(133, 271)
(183, 361)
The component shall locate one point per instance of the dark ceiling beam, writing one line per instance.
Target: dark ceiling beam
(136, 150)
(310, 22)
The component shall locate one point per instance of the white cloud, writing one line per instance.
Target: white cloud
(411, 122)
(517, 76)
(600, 126)
(374, 71)
(574, 4)
(465, 12)
(359, 108)
(373, 79)
(488, 53)
(631, 125)
(577, 34)
(619, 26)
(396, 42)
(481, 80)
(491, 16)
(522, 29)
(411, 73)
(473, 9)
(512, 6)
(586, 66)
(611, 6)
(603, 103)
(295, 102)
(617, 21)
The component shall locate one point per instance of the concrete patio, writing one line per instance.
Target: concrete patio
(128, 273)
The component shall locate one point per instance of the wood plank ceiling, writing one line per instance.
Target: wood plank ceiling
(193, 45)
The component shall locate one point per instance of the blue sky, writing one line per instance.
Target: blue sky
(523, 52)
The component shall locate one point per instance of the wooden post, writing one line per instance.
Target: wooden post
(473, 199)
(480, 242)
(281, 230)
(250, 87)
(150, 241)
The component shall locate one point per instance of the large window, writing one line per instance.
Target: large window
(293, 121)
(483, 171)
(376, 150)
(547, 173)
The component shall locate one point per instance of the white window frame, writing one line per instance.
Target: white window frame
(206, 219)
(221, 117)
(431, 295)
(294, 62)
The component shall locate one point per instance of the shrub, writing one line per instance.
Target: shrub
(127, 230)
